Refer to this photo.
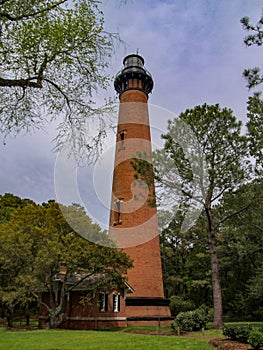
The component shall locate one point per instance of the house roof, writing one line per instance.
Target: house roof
(85, 283)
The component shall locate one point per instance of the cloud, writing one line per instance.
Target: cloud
(27, 165)
(195, 52)
(194, 49)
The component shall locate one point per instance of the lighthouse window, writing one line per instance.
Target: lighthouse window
(116, 303)
(117, 220)
(103, 302)
(118, 205)
(122, 139)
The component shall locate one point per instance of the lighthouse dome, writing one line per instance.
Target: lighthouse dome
(133, 75)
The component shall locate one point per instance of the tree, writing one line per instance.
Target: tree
(185, 263)
(255, 130)
(76, 217)
(253, 75)
(255, 125)
(256, 291)
(240, 252)
(204, 156)
(35, 244)
(254, 78)
(54, 55)
(9, 203)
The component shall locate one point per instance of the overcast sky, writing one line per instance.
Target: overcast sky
(195, 52)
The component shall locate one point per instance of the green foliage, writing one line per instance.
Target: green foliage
(205, 155)
(178, 305)
(254, 78)
(254, 38)
(9, 203)
(36, 242)
(237, 332)
(240, 252)
(256, 284)
(76, 217)
(245, 334)
(257, 37)
(54, 55)
(186, 264)
(255, 338)
(222, 148)
(192, 320)
(255, 129)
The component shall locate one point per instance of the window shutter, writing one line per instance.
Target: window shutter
(106, 302)
(119, 302)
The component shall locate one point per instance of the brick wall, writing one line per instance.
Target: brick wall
(89, 316)
(137, 231)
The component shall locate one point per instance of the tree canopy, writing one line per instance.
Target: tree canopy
(254, 78)
(185, 261)
(255, 37)
(54, 56)
(185, 258)
(35, 243)
(204, 156)
(240, 251)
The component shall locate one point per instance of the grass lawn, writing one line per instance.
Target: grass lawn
(85, 340)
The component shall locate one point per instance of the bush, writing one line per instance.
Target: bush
(255, 338)
(191, 320)
(237, 332)
(241, 333)
(178, 304)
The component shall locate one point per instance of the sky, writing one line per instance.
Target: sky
(195, 52)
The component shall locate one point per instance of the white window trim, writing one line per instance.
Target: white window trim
(102, 301)
(116, 302)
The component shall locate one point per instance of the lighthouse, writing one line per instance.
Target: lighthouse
(133, 221)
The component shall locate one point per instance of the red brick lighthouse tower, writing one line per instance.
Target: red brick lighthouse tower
(133, 223)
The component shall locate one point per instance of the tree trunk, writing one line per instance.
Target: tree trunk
(9, 316)
(27, 314)
(216, 284)
(57, 301)
(53, 319)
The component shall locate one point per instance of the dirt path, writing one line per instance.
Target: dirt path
(224, 344)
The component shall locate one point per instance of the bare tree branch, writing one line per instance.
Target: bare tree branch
(225, 218)
(59, 89)
(29, 15)
(21, 82)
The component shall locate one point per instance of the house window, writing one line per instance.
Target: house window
(116, 302)
(103, 302)
(122, 139)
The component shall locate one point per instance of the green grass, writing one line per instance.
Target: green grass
(87, 340)
(19, 323)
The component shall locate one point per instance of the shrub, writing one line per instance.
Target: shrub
(237, 332)
(255, 338)
(191, 320)
(178, 304)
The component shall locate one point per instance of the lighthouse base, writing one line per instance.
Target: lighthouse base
(143, 311)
